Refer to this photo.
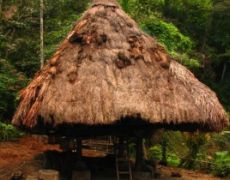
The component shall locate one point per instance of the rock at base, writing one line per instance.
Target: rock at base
(31, 177)
(48, 175)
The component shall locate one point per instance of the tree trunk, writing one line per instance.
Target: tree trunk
(223, 72)
(41, 33)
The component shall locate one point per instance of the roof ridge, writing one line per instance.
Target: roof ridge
(112, 3)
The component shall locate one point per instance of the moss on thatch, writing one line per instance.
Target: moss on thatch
(108, 69)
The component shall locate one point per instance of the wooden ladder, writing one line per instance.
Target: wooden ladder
(121, 161)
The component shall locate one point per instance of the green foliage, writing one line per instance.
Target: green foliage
(8, 132)
(221, 164)
(173, 160)
(58, 22)
(10, 82)
(125, 5)
(57, 33)
(19, 42)
(132, 149)
(191, 16)
(136, 8)
(21, 36)
(178, 45)
(194, 143)
(223, 89)
(168, 34)
(221, 18)
(222, 140)
(184, 59)
(155, 152)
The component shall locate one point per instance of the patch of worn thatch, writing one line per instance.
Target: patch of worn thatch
(108, 69)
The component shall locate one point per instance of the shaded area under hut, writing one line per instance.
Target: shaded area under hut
(108, 78)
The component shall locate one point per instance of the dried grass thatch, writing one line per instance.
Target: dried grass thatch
(107, 69)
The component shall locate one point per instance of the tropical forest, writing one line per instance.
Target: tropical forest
(86, 82)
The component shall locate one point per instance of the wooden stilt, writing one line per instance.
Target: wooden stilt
(139, 154)
(79, 148)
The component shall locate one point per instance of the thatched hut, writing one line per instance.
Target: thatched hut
(106, 70)
(109, 76)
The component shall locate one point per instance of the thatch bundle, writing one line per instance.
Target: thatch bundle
(108, 69)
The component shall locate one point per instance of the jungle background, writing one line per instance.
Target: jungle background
(195, 32)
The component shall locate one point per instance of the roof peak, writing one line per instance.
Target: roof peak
(105, 2)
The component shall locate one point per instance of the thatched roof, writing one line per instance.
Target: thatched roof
(107, 69)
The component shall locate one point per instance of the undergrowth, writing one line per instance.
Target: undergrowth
(8, 132)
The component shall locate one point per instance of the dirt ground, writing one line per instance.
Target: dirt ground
(25, 156)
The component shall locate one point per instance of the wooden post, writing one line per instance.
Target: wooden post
(121, 148)
(139, 154)
(79, 148)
